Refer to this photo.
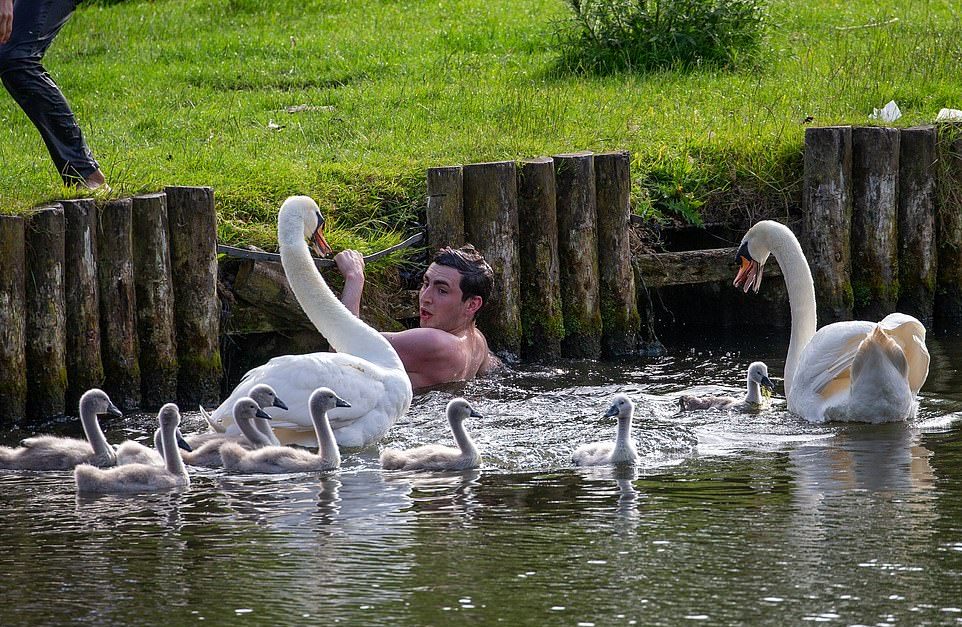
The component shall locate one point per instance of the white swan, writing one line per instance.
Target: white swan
(265, 397)
(436, 456)
(131, 452)
(753, 400)
(622, 450)
(246, 412)
(278, 459)
(856, 370)
(140, 477)
(365, 368)
(48, 452)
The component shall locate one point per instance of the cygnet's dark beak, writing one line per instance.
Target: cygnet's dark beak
(768, 383)
(260, 413)
(318, 243)
(475, 414)
(340, 402)
(612, 411)
(279, 403)
(182, 443)
(112, 410)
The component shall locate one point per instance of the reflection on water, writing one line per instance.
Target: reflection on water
(728, 519)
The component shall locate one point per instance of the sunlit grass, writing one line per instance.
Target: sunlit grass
(195, 92)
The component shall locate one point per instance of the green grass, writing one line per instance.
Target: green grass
(182, 92)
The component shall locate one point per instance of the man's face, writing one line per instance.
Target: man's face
(440, 301)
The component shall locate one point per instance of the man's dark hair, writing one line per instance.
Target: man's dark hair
(477, 278)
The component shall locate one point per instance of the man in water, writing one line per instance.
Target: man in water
(447, 346)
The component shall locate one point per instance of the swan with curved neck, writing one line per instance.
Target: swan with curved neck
(848, 371)
(140, 477)
(247, 414)
(436, 456)
(265, 396)
(281, 459)
(365, 368)
(752, 401)
(48, 452)
(622, 450)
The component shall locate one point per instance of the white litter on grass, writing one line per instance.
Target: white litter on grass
(949, 115)
(889, 113)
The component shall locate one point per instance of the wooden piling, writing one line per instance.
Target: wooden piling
(13, 350)
(118, 306)
(948, 296)
(542, 323)
(491, 224)
(827, 218)
(578, 254)
(445, 211)
(46, 320)
(82, 299)
(619, 307)
(875, 235)
(155, 301)
(192, 223)
(918, 162)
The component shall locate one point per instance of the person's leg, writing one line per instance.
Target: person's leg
(35, 24)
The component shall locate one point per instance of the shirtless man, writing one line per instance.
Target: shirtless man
(447, 346)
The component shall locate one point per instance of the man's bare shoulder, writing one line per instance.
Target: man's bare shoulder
(425, 337)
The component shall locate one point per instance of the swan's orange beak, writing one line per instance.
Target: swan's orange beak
(318, 243)
(749, 275)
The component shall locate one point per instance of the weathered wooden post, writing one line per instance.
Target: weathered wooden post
(875, 236)
(578, 254)
(917, 209)
(445, 212)
(192, 220)
(948, 296)
(827, 218)
(619, 306)
(491, 224)
(84, 365)
(118, 307)
(13, 350)
(46, 323)
(155, 301)
(542, 323)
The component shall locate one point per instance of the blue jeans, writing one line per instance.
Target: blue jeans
(35, 24)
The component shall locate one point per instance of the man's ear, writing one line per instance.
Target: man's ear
(474, 304)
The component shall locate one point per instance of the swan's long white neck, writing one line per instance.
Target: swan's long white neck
(801, 293)
(254, 435)
(623, 434)
(345, 332)
(461, 437)
(327, 445)
(93, 432)
(264, 426)
(175, 465)
(754, 392)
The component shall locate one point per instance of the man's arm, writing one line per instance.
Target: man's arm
(6, 20)
(351, 265)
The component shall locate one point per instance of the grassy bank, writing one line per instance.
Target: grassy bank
(196, 92)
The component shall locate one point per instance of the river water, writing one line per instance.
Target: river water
(728, 519)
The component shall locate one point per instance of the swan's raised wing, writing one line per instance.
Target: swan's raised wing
(825, 363)
(910, 335)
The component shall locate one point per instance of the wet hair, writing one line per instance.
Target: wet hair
(477, 278)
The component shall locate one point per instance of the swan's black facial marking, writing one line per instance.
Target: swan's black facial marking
(318, 242)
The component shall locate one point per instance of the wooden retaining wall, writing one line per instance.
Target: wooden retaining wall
(123, 294)
(87, 299)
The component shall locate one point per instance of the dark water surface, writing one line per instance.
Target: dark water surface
(728, 519)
